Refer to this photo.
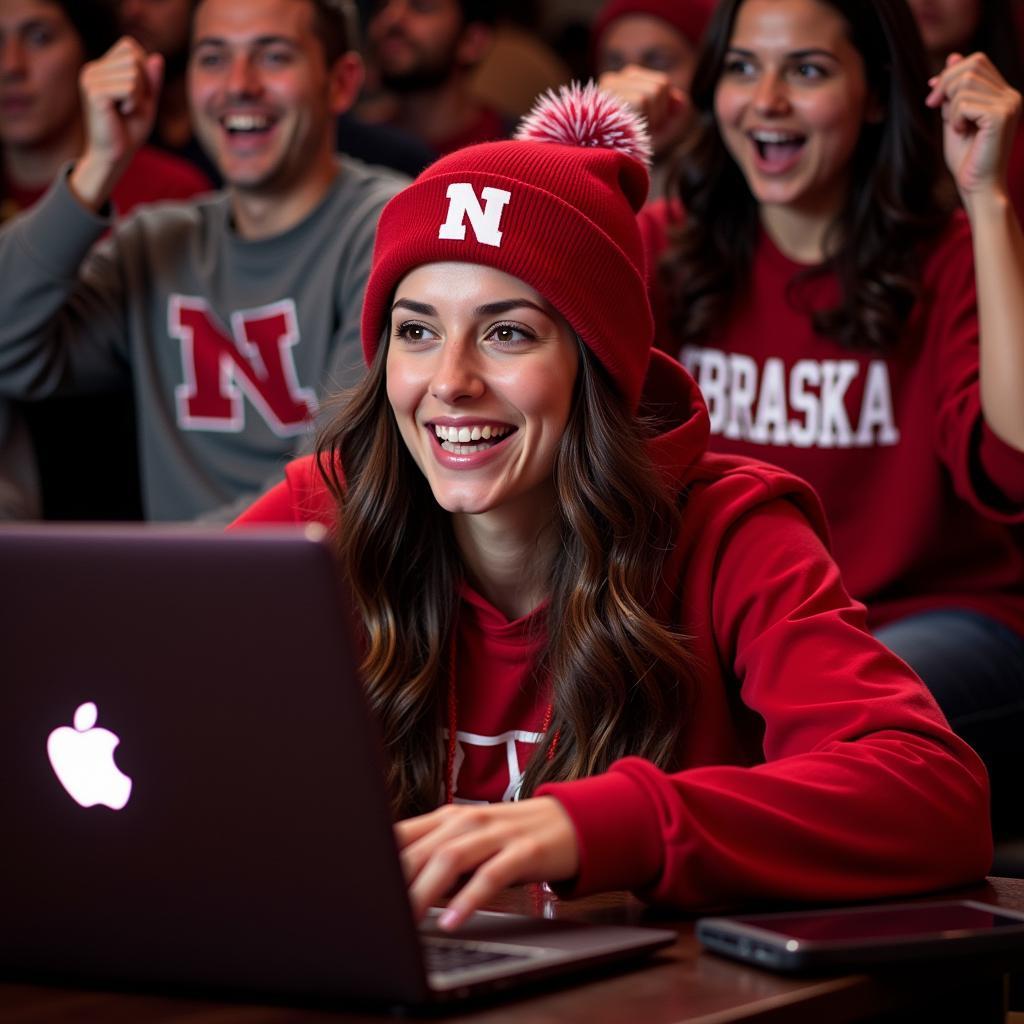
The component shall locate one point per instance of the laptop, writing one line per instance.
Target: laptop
(191, 786)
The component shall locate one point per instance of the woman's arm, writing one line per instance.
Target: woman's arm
(980, 114)
(864, 792)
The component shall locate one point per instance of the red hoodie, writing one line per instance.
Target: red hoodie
(814, 765)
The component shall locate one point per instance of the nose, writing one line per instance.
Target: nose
(456, 375)
(12, 57)
(770, 96)
(388, 15)
(242, 78)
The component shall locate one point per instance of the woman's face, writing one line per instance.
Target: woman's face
(40, 57)
(947, 25)
(480, 376)
(791, 101)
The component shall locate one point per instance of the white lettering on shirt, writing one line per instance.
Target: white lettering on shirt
(805, 405)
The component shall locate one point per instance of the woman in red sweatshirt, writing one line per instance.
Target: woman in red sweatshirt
(598, 655)
(839, 325)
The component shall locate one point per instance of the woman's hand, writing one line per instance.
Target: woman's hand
(496, 845)
(980, 114)
(664, 106)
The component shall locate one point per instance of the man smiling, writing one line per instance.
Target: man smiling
(234, 315)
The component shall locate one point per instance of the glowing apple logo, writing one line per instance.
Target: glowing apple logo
(83, 760)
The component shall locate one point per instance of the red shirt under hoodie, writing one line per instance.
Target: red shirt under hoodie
(815, 765)
(924, 503)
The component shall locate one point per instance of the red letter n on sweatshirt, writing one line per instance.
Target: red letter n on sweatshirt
(255, 361)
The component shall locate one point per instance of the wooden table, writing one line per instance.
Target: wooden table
(679, 984)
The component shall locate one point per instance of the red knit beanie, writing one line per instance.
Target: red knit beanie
(558, 214)
(688, 17)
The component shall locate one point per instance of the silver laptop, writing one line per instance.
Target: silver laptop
(191, 786)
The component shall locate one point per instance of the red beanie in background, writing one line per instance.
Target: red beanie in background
(688, 17)
(555, 207)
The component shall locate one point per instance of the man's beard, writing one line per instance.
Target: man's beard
(425, 75)
(421, 79)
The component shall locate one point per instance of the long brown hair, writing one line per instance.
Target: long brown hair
(620, 678)
(894, 201)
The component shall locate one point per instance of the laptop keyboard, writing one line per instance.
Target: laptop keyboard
(443, 956)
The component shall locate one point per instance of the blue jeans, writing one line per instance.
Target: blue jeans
(974, 667)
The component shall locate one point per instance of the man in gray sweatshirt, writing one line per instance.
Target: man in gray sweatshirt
(234, 315)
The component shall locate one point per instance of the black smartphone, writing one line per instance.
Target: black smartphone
(863, 936)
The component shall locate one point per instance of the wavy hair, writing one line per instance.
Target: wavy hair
(620, 679)
(893, 204)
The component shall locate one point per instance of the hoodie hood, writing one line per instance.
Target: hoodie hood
(672, 401)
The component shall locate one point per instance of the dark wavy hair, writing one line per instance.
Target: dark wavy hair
(620, 679)
(894, 203)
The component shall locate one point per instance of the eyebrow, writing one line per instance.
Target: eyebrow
(811, 51)
(269, 40)
(488, 309)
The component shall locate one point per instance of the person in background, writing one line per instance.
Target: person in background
(842, 325)
(621, 663)
(630, 38)
(423, 53)
(164, 27)
(992, 27)
(43, 46)
(47, 449)
(231, 316)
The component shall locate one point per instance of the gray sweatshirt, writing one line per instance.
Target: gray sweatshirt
(231, 345)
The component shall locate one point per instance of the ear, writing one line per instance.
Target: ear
(345, 80)
(474, 43)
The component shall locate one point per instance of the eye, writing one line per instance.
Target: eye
(659, 60)
(738, 67)
(507, 335)
(810, 71)
(208, 59)
(276, 58)
(39, 36)
(413, 333)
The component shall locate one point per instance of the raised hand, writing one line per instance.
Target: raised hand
(664, 106)
(119, 100)
(980, 112)
(496, 845)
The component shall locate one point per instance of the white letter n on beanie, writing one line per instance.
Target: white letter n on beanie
(484, 220)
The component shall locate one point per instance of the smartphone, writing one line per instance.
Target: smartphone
(863, 936)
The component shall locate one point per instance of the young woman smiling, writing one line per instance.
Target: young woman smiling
(839, 325)
(564, 599)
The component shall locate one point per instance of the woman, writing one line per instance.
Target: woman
(567, 602)
(826, 303)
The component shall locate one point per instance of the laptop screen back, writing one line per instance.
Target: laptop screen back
(207, 683)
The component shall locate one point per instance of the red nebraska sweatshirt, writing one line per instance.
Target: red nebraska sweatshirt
(924, 503)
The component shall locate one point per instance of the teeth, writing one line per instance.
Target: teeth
(465, 435)
(246, 123)
(774, 138)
